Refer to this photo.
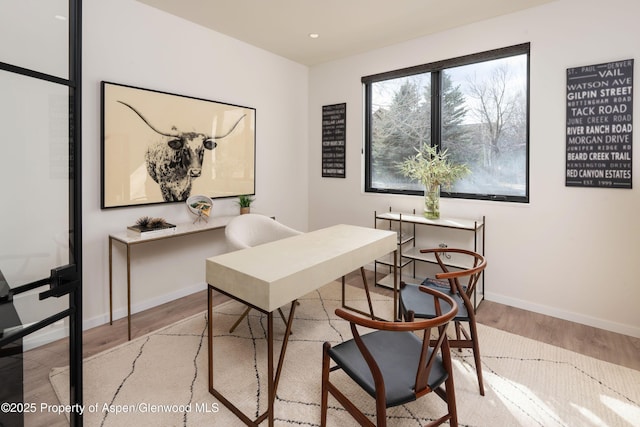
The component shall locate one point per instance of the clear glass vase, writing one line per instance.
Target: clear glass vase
(432, 201)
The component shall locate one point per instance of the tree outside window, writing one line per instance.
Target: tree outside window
(480, 107)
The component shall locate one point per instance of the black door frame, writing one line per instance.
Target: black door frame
(65, 280)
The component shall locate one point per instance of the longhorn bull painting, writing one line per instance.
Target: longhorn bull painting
(157, 147)
(177, 161)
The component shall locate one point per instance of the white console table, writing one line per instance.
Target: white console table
(214, 223)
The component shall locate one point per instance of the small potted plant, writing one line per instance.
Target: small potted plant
(433, 169)
(245, 201)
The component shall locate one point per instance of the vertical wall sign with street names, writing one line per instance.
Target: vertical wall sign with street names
(334, 138)
(600, 125)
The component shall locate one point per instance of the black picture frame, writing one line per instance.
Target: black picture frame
(599, 125)
(160, 147)
(334, 140)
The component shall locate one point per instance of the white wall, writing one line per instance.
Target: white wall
(131, 43)
(571, 252)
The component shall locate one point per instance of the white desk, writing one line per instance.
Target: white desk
(269, 276)
(214, 223)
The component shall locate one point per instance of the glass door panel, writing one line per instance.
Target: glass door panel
(34, 234)
(40, 223)
(39, 28)
(34, 171)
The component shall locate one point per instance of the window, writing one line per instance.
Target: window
(476, 107)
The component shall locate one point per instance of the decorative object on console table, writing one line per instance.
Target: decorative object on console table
(432, 200)
(432, 168)
(245, 202)
(200, 206)
(147, 226)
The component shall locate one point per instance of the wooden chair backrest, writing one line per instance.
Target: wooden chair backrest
(427, 358)
(471, 274)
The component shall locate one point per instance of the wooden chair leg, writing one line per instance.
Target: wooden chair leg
(451, 402)
(476, 355)
(324, 401)
(381, 413)
(242, 316)
(470, 340)
(449, 392)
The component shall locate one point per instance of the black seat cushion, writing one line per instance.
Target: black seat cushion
(421, 303)
(397, 355)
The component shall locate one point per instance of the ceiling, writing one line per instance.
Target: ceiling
(345, 27)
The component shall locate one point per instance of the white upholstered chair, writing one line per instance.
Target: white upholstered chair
(248, 230)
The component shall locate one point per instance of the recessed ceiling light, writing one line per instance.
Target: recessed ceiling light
(60, 17)
(314, 35)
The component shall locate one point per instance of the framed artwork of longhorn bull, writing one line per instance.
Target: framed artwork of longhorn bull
(159, 147)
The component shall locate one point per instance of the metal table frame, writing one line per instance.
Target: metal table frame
(215, 223)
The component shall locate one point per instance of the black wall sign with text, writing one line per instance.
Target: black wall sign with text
(599, 125)
(334, 137)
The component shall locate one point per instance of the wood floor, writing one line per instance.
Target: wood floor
(608, 346)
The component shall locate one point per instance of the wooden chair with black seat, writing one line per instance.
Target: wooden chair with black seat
(393, 363)
(460, 284)
(248, 230)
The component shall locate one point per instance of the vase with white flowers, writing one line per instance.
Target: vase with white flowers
(433, 169)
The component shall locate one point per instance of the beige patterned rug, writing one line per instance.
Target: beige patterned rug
(161, 379)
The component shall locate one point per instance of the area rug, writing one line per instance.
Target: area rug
(161, 379)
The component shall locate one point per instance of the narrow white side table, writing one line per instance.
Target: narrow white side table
(214, 223)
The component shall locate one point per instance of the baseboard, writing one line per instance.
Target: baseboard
(565, 315)
(60, 330)
(144, 305)
(51, 333)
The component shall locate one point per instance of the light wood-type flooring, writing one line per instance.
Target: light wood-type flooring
(608, 346)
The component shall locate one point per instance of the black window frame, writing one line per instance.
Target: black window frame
(435, 68)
